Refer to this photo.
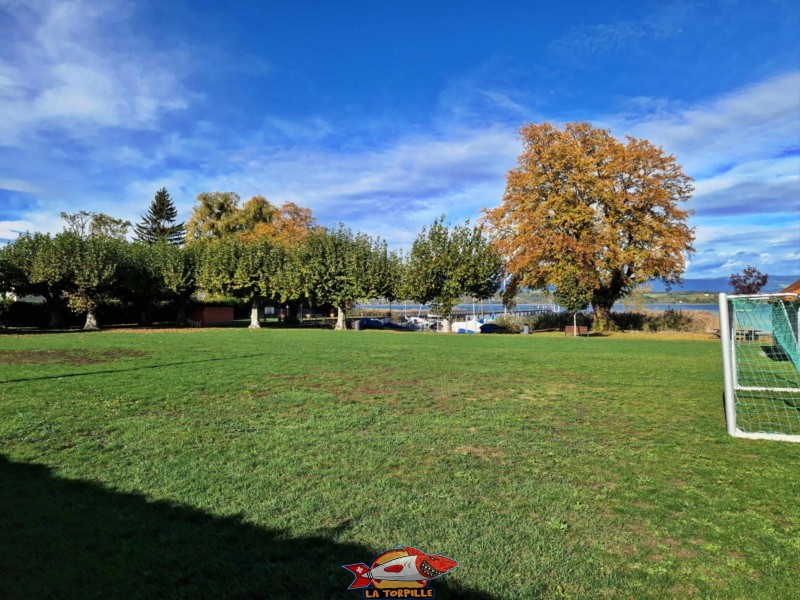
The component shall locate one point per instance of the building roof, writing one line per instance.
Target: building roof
(793, 288)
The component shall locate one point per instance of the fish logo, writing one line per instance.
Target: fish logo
(404, 572)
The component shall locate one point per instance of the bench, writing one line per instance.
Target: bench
(746, 335)
(580, 330)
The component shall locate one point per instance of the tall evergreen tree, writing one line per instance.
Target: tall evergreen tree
(158, 225)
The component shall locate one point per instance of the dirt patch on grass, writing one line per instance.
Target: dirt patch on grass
(407, 382)
(149, 330)
(568, 374)
(479, 452)
(66, 357)
(372, 390)
(684, 590)
(665, 335)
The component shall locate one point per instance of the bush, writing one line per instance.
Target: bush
(35, 314)
(516, 323)
(669, 320)
(30, 314)
(648, 320)
(5, 306)
(629, 321)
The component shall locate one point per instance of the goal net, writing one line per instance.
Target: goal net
(761, 364)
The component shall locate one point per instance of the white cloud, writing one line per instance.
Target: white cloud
(755, 187)
(392, 191)
(743, 150)
(600, 38)
(19, 185)
(752, 123)
(65, 72)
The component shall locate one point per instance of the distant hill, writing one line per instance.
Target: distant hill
(721, 284)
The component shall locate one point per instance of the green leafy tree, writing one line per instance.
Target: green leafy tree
(103, 225)
(141, 278)
(431, 269)
(244, 270)
(177, 267)
(159, 224)
(213, 216)
(446, 264)
(95, 264)
(390, 274)
(5, 305)
(337, 269)
(77, 223)
(573, 294)
(256, 211)
(481, 265)
(290, 288)
(35, 264)
(85, 224)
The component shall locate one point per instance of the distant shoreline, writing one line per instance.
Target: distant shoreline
(498, 308)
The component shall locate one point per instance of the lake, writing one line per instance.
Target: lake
(498, 308)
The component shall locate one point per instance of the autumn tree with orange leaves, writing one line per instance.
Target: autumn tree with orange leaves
(288, 226)
(217, 214)
(581, 201)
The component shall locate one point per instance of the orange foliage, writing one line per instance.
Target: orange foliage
(289, 225)
(582, 201)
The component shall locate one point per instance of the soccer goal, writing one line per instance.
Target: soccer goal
(761, 365)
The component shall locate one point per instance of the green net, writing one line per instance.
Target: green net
(764, 336)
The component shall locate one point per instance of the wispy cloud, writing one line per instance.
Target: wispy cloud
(741, 149)
(66, 73)
(731, 247)
(489, 93)
(756, 187)
(606, 38)
(755, 122)
(391, 190)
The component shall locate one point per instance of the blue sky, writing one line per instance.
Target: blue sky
(386, 114)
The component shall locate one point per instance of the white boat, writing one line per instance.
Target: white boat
(472, 324)
(429, 323)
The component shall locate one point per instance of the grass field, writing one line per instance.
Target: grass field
(253, 464)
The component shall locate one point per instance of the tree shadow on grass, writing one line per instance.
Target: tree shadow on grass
(137, 368)
(73, 539)
(775, 353)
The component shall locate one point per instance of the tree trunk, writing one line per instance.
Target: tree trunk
(91, 320)
(182, 318)
(255, 305)
(602, 317)
(574, 324)
(292, 308)
(145, 316)
(447, 327)
(603, 300)
(55, 308)
(340, 322)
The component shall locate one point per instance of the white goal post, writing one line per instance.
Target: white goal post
(761, 365)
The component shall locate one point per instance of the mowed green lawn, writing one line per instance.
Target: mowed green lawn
(253, 464)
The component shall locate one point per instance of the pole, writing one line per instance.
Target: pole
(727, 364)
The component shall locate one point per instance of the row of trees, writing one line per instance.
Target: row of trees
(284, 260)
(584, 214)
(83, 272)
